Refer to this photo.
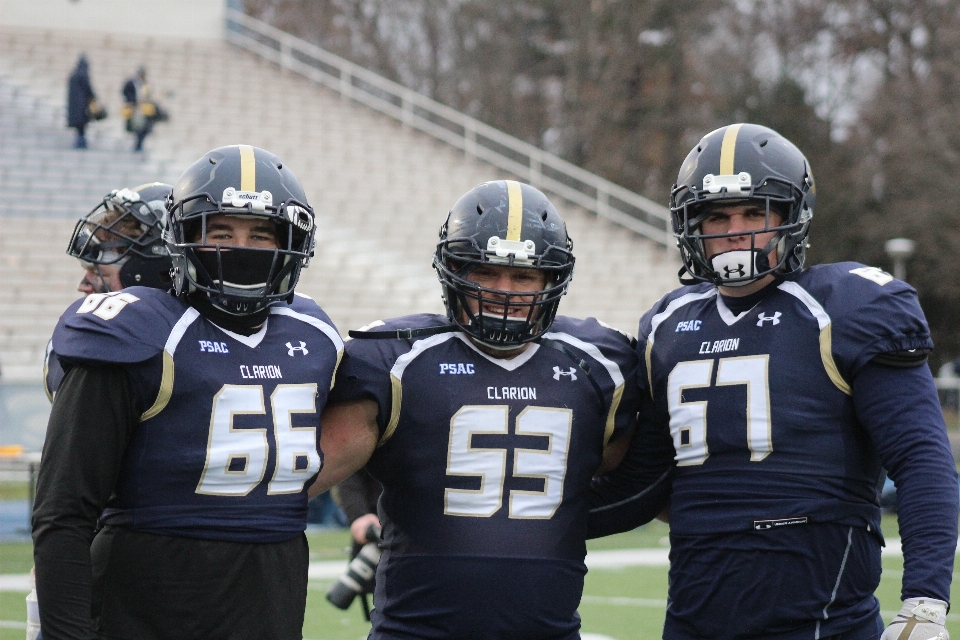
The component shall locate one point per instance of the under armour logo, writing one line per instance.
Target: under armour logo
(775, 318)
(302, 348)
(729, 272)
(557, 372)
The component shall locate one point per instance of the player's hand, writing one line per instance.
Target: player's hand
(358, 528)
(919, 619)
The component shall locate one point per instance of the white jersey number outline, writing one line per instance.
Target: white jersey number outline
(489, 464)
(688, 419)
(236, 460)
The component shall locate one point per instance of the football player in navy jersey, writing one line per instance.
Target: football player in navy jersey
(172, 500)
(787, 391)
(485, 428)
(119, 244)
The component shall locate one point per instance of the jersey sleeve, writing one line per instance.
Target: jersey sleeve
(611, 359)
(360, 379)
(127, 327)
(644, 340)
(900, 410)
(871, 314)
(364, 372)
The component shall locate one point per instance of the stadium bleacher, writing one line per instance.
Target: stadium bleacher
(380, 190)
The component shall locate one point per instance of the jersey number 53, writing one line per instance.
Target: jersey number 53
(490, 464)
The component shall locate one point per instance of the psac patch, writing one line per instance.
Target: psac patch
(456, 368)
(208, 346)
(688, 325)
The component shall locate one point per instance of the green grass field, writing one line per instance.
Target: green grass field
(624, 603)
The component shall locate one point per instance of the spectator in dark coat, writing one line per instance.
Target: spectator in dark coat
(79, 95)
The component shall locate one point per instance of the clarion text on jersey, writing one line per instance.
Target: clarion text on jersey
(511, 393)
(719, 346)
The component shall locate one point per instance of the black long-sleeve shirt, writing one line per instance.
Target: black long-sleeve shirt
(90, 424)
(123, 584)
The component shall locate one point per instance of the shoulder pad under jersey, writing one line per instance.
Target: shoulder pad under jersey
(122, 327)
(391, 345)
(668, 303)
(870, 312)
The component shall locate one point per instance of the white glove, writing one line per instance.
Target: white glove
(919, 619)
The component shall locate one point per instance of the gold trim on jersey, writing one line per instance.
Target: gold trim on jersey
(648, 358)
(728, 149)
(826, 354)
(612, 415)
(46, 372)
(515, 210)
(396, 390)
(166, 388)
(248, 168)
(333, 378)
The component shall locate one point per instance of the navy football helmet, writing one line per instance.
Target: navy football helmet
(510, 224)
(247, 182)
(743, 164)
(126, 229)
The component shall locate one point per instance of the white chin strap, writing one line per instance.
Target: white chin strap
(734, 265)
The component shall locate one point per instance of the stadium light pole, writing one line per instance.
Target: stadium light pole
(900, 250)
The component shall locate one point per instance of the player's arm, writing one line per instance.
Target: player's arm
(614, 452)
(93, 415)
(348, 436)
(357, 495)
(898, 405)
(638, 489)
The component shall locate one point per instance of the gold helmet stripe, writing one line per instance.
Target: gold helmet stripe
(248, 168)
(515, 210)
(728, 148)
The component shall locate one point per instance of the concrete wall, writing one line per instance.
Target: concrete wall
(180, 18)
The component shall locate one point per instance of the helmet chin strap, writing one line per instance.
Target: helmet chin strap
(733, 265)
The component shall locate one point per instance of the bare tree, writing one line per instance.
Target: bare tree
(866, 88)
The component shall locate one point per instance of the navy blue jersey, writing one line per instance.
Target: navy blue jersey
(778, 460)
(486, 465)
(227, 437)
(762, 399)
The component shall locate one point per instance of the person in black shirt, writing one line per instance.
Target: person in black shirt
(171, 500)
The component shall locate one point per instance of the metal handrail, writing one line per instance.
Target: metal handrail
(538, 167)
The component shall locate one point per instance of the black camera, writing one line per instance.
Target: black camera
(359, 577)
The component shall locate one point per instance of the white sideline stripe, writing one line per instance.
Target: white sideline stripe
(653, 603)
(613, 559)
(326, 570)
(625, 602)
(12, 624)
(15, 582)
(619, 558)
(596, 560)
